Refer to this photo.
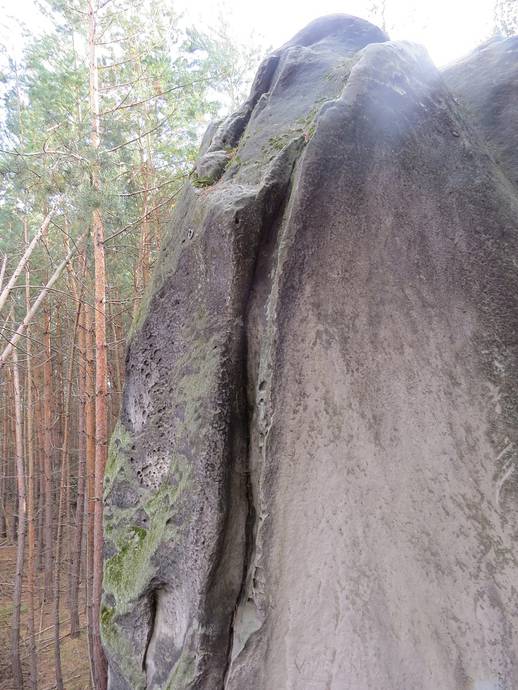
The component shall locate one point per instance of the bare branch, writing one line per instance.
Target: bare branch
(150, 189)
(125, 62)
(37, 303)
(140, 136)
(74, 9)
(153, 97)
(119, 104)
(23, 261)
(110, 87)
(46, 152)
(139, 220)
(122, 39)
(2, 270)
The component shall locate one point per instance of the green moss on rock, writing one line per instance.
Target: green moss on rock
(121, 649)
(183, 673)
(128, 572)
(119, 442)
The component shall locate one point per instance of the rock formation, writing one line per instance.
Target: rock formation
(313, 482)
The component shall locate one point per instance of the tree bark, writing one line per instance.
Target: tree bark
(20, 547)
(47, 460)
(62, 492)
(4, 468)
(81, 478)
(29, 412)
(101, 384)
(90, 472)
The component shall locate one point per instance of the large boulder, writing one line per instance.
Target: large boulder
(312, 485)
(486, 85)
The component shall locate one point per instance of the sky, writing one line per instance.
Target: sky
(447, 28)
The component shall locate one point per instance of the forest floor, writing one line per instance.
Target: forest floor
(74, 652)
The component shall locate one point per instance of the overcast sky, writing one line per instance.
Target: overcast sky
(448, 28)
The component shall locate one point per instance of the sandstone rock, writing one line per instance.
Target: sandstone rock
(486, 84)
(210, 167)
(312, 485)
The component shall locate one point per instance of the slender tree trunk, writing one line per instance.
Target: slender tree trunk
(14, 521)
(101, 441)
(80, 502)
(90, 472)
(62, 490)
(116, 390)
(12, 493)
(142, 267)
(58, 386)
(4, 469)
(3, 266)
(31, 575)
(101, 384)
(47, 460)
(20, 547)
(40, 434)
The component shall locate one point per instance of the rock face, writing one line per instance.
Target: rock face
(486, 84)
(313, 483)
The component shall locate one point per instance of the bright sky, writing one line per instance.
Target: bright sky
(448, 28)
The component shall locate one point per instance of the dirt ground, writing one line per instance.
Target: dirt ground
(74, 653)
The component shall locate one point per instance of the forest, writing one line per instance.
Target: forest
(102, 118)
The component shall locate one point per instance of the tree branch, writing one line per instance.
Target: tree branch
(23, 261)
(36, 305)
(139, 220)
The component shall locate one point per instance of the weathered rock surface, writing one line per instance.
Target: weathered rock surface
(486, 84)
(313, 482)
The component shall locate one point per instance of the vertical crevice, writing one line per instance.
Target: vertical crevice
(250, 508)
(258, 292)
(153, 604)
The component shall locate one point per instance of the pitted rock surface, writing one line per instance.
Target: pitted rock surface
(313, 482)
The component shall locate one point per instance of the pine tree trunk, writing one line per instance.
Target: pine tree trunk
(31, 575)
(4, 469)
(12, 493)
(76, 554)
(20, 547)
(116, 391)
(38, 424)
(47, 460)
(142, 267)
(90, 471)
(101, 384)
(62, 494)
(101, 441)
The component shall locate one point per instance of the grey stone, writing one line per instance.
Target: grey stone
(486, 84)
(210, 167)
(319, 419)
